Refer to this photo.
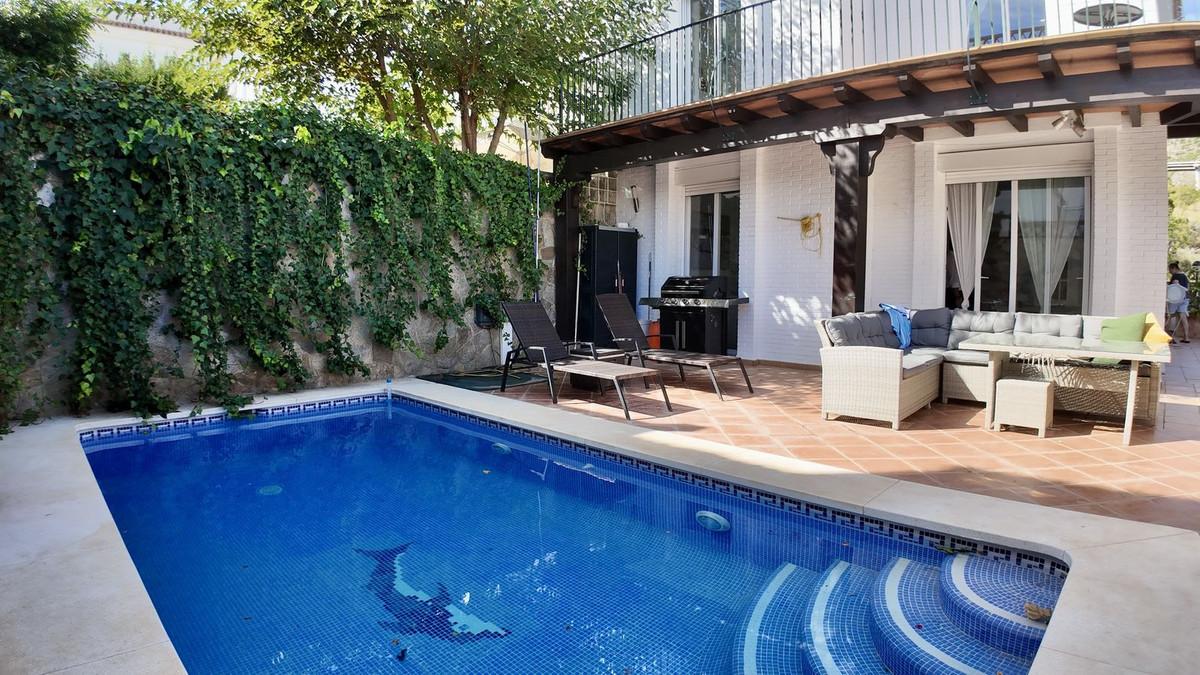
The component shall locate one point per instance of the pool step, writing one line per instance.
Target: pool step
(986, 598)
(837, 623)
(771, 637)
(914, 634)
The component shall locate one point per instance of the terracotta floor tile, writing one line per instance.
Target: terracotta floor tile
(1082, 465)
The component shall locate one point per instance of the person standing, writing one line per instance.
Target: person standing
(1177, 299)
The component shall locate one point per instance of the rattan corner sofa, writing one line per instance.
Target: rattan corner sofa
(865, 374)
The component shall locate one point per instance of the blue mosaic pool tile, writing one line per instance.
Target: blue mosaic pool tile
(778, 612)
(992, 606)
(914, 635)
(837, 623)
(931, 543)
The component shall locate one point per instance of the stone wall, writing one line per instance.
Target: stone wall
(47, 382)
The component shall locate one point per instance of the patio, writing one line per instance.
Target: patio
(1081, 465)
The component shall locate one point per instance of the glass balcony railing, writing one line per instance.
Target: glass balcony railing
(778, 41)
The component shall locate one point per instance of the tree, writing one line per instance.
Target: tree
(412, 62)
(1183, 232)
(172, 77)
(46, 35)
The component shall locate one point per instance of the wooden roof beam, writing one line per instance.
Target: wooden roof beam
(1135, 115)
(914, 134)
(1018, 121)
(792, 105)
(1196, 52)
(656, 133)
(695, 124)
(910, 86)
(964, 128)
(1125, 57)
(847, 95)
(742, 115)
(1048, 65)
(977, 76)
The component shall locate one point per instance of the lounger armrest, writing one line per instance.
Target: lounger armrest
(541, 355)
(590, 346)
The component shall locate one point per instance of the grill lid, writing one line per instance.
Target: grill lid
(695, 287)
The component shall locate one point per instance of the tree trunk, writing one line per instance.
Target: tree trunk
(468, 122)
(422, 108)
(498, 132)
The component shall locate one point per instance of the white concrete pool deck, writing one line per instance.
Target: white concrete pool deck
(72, 601)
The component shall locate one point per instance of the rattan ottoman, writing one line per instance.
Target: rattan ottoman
(1024, 403)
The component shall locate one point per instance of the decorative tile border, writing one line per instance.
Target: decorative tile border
(157, 426)
(903, 533)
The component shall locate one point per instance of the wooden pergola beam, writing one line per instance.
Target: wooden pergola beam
(656, 133)
(1135, 115)
(742, 115)
(910, 86)
(695, 124)
(1018, 121)
(1048, 66)
(1176, 113)
(1152, 86)
(965, 128)
(914, 134)
(1125, 57)
(848, 95)
(792, 105)
(977, 76)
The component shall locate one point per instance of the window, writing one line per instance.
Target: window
(1005, 21)
(713, 236)
(1019, 245)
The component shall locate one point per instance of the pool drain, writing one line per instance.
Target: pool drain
(502, 448)
(713, 522)
(270, 490)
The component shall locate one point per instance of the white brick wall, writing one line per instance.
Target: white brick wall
(643, 177)
(792, 285)
(889, 226)
(1141, 237)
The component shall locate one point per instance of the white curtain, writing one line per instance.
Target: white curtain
(1066, 217)
(1031, 218)
(966, 229)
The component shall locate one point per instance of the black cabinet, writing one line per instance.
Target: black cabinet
(608, 264)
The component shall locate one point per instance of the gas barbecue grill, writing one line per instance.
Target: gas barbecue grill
(700, 312)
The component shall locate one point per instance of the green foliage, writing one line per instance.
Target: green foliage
(410, 62)
(45, 35)
(179, 77)
(238, 218)
(1183, 223)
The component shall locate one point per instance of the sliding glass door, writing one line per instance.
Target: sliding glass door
(1018, 246)
(713, 236)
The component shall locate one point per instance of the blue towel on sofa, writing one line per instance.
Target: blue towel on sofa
(901, 325)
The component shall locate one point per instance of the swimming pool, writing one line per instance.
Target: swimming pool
(379, 535)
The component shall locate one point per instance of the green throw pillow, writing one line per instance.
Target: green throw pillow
(1131, 328)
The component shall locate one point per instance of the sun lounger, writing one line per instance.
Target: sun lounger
(539, 344)
(628, 332)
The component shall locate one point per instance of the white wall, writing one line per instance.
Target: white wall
(112, 40)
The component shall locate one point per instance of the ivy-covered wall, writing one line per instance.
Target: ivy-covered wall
(156, 250)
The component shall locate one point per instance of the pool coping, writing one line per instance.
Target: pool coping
(1119, 610)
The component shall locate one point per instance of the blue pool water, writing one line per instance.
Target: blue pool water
(343, 542)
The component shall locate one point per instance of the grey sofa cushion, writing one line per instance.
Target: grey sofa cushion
(966, 357)
(1091, 327)
(965, 324)
(930, 327)
(919, 362)
(1054, 325)
(863, 329)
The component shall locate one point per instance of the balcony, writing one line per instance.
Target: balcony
(779, 41)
